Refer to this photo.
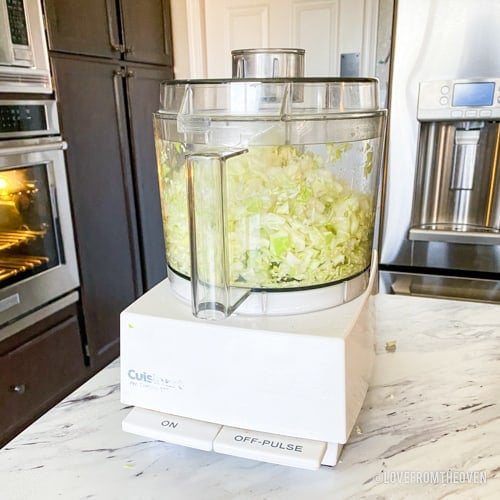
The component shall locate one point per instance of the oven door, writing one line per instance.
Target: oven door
(37, 252)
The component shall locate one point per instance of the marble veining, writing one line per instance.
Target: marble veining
(432, 409)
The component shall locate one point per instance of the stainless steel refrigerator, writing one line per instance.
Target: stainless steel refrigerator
(440, 222)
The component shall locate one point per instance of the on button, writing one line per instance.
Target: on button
(171, 428)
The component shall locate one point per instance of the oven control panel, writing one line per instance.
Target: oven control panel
(21, 118)
(471, 99)
(28, 119)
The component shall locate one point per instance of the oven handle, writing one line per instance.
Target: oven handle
(33, 148)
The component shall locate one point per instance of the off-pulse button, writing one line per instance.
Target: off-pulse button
(273, 448)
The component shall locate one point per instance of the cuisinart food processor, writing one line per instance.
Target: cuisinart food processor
(260, 342)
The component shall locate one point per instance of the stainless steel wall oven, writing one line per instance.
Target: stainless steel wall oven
(38, 265)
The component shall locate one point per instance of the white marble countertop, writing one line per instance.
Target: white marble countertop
(429, 428)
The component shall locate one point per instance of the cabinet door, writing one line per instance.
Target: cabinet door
(38, 373)
(143, 93)
(93, 122)
(89, 27)
(147, 31)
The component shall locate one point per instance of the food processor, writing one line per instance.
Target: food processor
(260, 342)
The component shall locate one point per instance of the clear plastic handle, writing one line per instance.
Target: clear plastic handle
(212, 294)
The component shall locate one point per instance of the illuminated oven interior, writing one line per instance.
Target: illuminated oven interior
(28, 224)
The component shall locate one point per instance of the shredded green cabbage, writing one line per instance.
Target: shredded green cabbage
(291, 221)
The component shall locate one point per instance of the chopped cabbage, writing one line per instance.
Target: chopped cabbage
(291, 221)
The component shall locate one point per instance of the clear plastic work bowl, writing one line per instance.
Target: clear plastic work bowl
(268, 185)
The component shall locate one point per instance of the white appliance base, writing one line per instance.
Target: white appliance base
(265, 447)
(252, 386)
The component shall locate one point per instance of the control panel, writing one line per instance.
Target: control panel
(471, 99)
(28, 118)
(17, 22)
(20, 118)
(273, 448)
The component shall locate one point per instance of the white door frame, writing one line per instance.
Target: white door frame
(195, 10)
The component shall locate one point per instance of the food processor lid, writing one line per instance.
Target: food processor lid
(270, 98)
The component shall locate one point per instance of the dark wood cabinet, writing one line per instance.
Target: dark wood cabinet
(132, 30)
(143, 95)
(106, 99)
(89, 27)
(94, 124)
(38, 368)
(146, 31)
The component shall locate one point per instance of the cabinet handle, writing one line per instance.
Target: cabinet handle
(123, 73)
(117, 47)
(111, 18)
(19, 388)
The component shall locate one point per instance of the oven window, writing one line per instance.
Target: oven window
(29, 232)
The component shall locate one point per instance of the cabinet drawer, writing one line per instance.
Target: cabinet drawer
(39, 373)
